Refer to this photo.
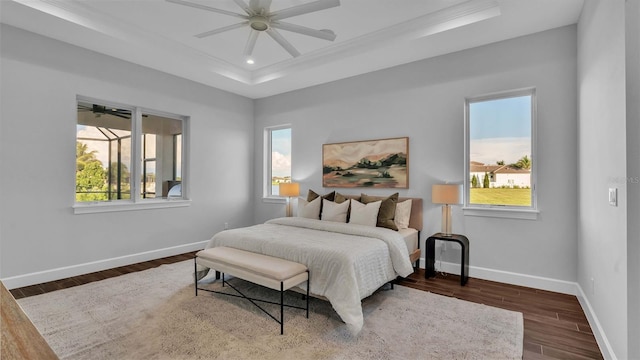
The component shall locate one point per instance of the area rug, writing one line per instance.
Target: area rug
(153, 314)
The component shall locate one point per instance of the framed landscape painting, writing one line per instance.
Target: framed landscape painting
(380, 163)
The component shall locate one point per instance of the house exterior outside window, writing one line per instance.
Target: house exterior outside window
(500, 161)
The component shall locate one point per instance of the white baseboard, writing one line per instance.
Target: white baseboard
(80, 269)
(596, 328)
(542, 283)
(537, 282)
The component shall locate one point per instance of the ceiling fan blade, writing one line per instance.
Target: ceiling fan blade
(251, 42)
(283, 42)
(322, 34)
(124, 116)
(205, 7)
(244, 6)
(304, 8)
(222, 29)
(260, 6)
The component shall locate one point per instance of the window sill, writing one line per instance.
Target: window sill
(510, 213)
(116, 206)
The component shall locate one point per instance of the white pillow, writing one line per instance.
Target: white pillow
(364, 214)
(403, 213)
(332, 211)
(310, 210)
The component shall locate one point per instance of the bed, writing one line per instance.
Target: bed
(347, 262)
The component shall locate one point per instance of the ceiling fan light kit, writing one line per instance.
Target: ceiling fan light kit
(260, 18)
(259, 23)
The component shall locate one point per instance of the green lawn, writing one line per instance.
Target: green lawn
(518, 197)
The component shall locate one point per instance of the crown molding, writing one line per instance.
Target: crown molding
(446, 19)
(467, 24)
(88, 18)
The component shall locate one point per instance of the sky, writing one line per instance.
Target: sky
(281, 152)
(500, 130)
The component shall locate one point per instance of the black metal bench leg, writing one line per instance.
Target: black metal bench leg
(195, 275)
(308, 278)
(252, 300)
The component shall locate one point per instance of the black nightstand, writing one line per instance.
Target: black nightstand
(430, 270)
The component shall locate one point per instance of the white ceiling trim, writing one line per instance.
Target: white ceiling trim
(91, 19)
(135, 38)
(429, 24)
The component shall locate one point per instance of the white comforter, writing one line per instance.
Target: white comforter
(346, 262)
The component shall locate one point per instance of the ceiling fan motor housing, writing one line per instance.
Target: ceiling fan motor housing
(259, 23)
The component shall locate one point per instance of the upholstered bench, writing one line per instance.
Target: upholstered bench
(268, 271)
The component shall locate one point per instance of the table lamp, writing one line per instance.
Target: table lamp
(446, 194)
(289, 190)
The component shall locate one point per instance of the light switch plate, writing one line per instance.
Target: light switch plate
(613, 196)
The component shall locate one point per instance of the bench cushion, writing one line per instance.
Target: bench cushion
(264, 265)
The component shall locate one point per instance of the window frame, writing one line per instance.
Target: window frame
(137, 202)
(503, 211)
(268, 163)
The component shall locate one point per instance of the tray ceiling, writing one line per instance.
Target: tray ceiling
(371, 35)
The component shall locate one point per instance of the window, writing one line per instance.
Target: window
(108, 137)
(161, 165)
(278, 158)
(500, 157)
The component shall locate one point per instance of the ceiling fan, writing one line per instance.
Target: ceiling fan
(260, 18)
(99, 110)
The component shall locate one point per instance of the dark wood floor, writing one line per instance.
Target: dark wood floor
(555, 326)
(96, 276)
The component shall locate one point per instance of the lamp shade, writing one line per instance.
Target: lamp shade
(446, 194)
(289, 189)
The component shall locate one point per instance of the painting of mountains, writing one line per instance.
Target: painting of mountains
(373, 163)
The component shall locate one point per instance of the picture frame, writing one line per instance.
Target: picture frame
(381, 163)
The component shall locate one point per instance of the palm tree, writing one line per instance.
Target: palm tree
(84, 157)
(523, 163)
(91, 178)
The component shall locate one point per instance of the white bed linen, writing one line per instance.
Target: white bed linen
(346, 262)
(410, 238)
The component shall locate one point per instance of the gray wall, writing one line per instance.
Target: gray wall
(38, 230)
(607, 160)
(424, 100)
(632, 44)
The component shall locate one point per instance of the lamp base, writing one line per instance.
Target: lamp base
(289, 209)
(446, 220)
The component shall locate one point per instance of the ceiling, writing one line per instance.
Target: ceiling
(371, 35)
